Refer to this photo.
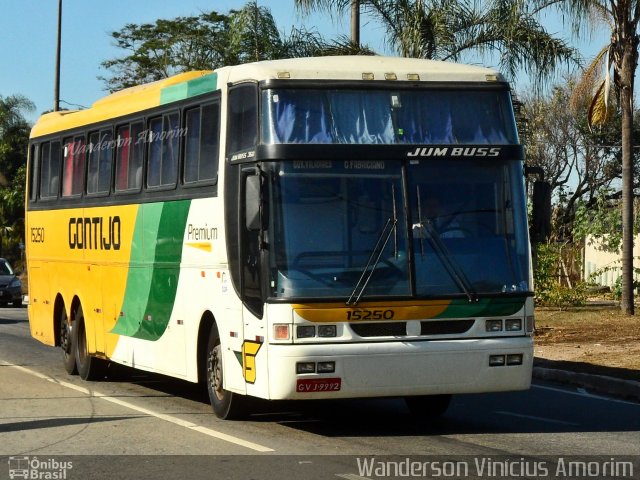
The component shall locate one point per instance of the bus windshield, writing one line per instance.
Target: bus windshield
(377, 116)
(356, 228)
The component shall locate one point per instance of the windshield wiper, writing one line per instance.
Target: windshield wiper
(367, 272)
(450, 265)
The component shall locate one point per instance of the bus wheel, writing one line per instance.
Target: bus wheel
(225, 404)
(67, 343)
(89, 368)
(428, 406)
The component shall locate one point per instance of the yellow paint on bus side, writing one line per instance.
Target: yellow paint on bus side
(84, 254)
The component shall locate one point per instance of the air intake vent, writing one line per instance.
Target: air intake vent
(445, 327)
(384, 329)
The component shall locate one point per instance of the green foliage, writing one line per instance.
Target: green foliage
(209, 41)
(444, 30)
(14, 136)
(254, 35)
(600, 219)
(167, 47)
(549, 290)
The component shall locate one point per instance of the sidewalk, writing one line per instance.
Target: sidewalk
(616, 382)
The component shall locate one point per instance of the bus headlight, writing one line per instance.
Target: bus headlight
(494, 325)
(305, 331)
(513, 325)
(327, 331)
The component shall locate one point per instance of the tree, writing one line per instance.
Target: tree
(580, 163)
(208, 41)
(446, 30)
(14, 137)
(167, 47)
(621, 59)
(254, 35)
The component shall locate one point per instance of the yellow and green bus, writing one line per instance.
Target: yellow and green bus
(312, 228)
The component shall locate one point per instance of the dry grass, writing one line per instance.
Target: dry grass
(600, 336)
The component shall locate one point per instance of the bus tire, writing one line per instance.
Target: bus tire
(89, 368)
(428, 406)
(226, 405)
(67, 343)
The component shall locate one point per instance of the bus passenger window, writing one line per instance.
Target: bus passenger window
(129, 157)
(170, 149)
(243, 118)
(50, 167)
(100, 159)
(201, 145)
(73, 166)
(45, 172)
(192, 146)
(209, 142)
(136, 156)
(122, 158)
(33, 171)
(155, 152)
(164, 148)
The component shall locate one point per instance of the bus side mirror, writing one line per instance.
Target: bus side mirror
(252, 203)
(541, 214)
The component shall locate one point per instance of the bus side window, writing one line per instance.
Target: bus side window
(50, 166)
(73, 166)
(136, 156)
(34, 169)
(155, 152)
(100, 161)
(170, 149)
(129, 157)
(164, 149)
(122, 158)
(201, 144)
(243, 118)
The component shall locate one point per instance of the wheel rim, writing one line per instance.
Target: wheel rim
(214, 367)
(82, 341)
(65, 334)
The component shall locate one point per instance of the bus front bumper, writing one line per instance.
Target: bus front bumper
(401, 368)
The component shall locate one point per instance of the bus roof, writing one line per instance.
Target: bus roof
(185, 85)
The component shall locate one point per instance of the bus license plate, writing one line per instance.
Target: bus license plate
(311, 385)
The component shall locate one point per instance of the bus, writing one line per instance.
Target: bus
(313, 228)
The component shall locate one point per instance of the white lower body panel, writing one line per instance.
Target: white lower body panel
(403, 368)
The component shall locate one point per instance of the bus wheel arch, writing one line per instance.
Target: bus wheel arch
(89, 367)
(63, 329)
(206, 324)
(225, 404)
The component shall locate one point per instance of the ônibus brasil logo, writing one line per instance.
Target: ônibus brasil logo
(35, 468)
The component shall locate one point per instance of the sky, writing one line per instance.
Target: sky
(28, 40)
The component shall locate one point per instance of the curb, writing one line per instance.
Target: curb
(627, 389)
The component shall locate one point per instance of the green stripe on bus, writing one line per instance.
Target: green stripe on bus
(484, 307)
(191, 88)
(154, 270)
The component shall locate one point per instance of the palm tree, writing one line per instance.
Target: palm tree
(620, 57)
(14, 135)
(448, 29)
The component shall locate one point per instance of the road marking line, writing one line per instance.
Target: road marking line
(539, 419)
(168, 418)
(582, 393)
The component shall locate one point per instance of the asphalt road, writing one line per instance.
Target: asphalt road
(149, 426)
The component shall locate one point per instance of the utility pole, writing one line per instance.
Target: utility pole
(355, 22)
(56, 89)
